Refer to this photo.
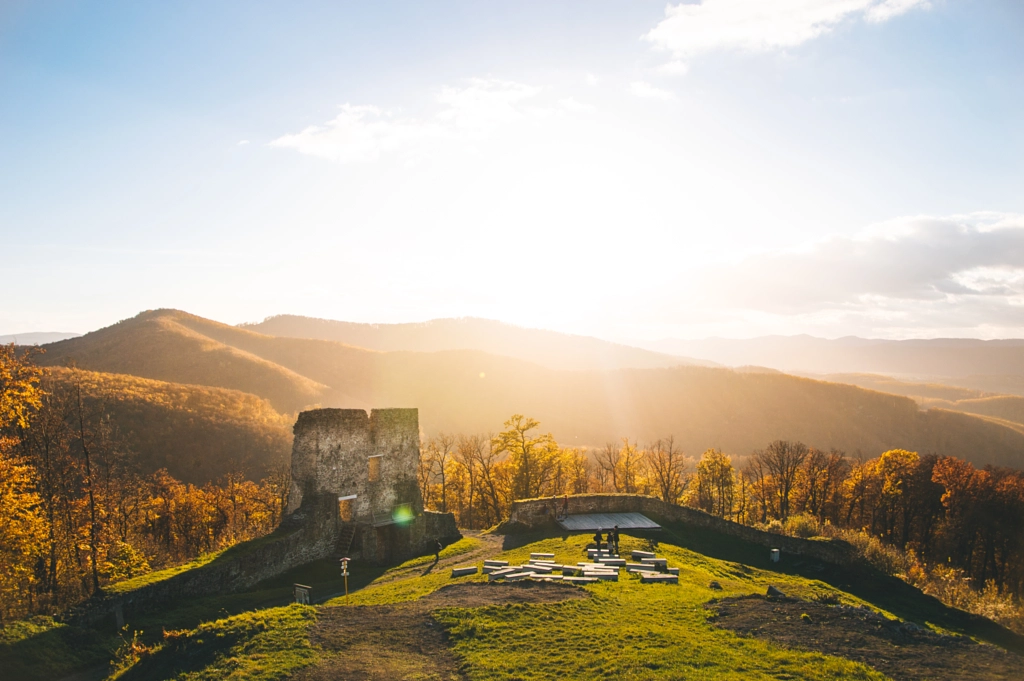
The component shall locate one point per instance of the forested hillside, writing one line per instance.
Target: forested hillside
(196, 432)
(470, 391)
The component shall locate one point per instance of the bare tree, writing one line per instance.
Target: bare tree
(667, 466)
(783, 460)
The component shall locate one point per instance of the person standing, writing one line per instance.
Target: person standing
(613, 541)
(597, 538)
(437, 550)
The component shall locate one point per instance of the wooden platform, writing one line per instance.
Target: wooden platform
(590, 522)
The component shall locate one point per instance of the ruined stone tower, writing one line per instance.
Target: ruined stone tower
(354, 484)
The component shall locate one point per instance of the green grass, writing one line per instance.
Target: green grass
(262, 645)
(633, 630)
(624, 630)
(411, 580)
(41, 648)
(160, 575)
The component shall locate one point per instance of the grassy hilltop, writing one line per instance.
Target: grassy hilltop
(414, 621)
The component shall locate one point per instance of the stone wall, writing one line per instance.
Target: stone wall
(330, 459)
(532, 514)
(241, 567)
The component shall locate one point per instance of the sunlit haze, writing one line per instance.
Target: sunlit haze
(628, 170)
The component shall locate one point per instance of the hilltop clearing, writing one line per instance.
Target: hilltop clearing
(415, 621)
(547, 348)
(469, 391)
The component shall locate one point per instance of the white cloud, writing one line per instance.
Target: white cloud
(365, 133)
(939, 273)
(644, 89)
(689, 30)
(888, 9)
(592, 79)
(570, 104)
(676, 67)
(242, 143)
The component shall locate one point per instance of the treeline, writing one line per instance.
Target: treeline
(937, 510)
(76, 510)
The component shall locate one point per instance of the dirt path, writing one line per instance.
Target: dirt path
(900, 650)
(387, 642)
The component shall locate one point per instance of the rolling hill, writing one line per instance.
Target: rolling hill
(548, 348)
(197, 433)
(472, 391)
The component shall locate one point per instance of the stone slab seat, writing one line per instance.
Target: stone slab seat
(463, 571)
(638, 555)
(500, 574)
(659, 578)
(662, 562)
(545, 569)
(516, 576)
(604, 576)
(621, 562)
(496, 563)
(674, 571)
(580, 580)
(542, 555)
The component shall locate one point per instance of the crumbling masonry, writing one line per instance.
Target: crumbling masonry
(354, 482)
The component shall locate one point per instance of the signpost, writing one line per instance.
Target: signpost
(344, 573)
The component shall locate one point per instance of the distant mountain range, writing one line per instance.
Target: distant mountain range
(994, 365)
(36, 337)
(467, 390)
(547, 348)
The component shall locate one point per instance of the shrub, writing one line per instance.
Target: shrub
(803, 525)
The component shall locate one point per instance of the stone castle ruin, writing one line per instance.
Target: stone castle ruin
(354, 493)
(354, 483)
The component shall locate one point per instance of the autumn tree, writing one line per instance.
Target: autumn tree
(715, 483)
(531, 456)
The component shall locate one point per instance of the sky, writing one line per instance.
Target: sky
(619, 168)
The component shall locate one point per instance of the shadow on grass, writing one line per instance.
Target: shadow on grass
(862, 580)
(54, 652)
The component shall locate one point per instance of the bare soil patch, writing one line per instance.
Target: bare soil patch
(383, 642)
(900, 650)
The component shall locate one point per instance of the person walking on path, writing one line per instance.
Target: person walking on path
(437, 550)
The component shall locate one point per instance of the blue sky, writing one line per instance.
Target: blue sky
(624, 169)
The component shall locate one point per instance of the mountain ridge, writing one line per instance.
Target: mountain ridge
(474, 392)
